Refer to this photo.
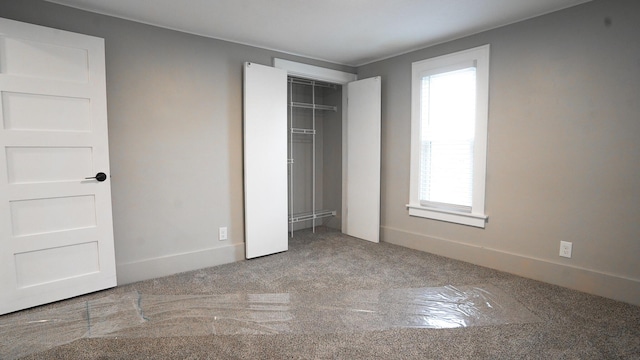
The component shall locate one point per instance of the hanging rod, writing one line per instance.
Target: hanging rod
(318, 214)
(313, 106)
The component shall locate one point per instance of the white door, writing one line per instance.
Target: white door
(363, 159)
(265, 160)
(56, 229)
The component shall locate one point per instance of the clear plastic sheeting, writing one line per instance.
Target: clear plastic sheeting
(31, 331)
(142, 316)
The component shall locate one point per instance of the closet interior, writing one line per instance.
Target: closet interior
(314, 154)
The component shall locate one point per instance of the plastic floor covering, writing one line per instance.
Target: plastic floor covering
(143, 316)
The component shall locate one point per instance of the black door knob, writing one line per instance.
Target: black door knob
(99, 176)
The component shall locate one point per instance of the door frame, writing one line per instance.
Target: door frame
(333, 76)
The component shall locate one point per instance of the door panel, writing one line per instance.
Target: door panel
(265, 160)
(45, 112)
(47, 164)
(56, 232)
(49, 265)
(38, 216)
(25, 57)
(363, 159)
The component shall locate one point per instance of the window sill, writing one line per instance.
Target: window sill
(476, 220)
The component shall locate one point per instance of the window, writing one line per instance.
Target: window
(449, 137)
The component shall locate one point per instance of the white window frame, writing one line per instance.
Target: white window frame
(480, 57)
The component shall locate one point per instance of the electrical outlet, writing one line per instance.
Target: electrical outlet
(222, 233)
(565, 249)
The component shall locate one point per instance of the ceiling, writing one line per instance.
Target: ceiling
(348, 32)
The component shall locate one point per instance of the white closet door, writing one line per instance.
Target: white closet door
(363, 159)
(265, 160)
(56, 232)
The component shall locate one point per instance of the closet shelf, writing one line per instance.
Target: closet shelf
(296, 104)
(299, 81)
(318, 214)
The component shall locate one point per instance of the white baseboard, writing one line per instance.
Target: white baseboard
(177, 263)
(586, 280)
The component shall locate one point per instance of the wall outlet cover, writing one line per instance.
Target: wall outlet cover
(565, 249)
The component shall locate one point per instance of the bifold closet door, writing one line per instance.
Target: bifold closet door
(56, 232)
(363, 159)
(265, 160)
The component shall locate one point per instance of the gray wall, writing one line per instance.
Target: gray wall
(563, 146)
(175, 137)
(563, 151)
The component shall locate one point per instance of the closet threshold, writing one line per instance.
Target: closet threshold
(302, 105)
(318, 214)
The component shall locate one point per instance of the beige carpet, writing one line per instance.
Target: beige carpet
(332, 297)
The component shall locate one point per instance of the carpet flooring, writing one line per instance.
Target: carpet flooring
(564, 324)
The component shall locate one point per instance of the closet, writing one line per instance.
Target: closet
(311, 151)
(314, 151)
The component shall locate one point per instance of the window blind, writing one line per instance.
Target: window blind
(448, 102)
